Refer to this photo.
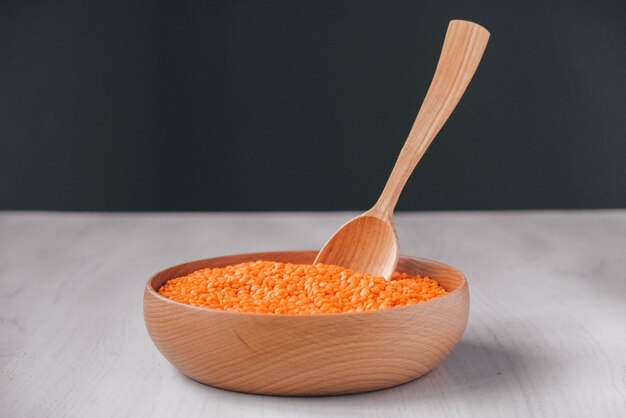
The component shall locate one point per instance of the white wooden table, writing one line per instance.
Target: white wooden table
(546, 336)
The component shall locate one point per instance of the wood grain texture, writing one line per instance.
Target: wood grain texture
(368, 243)
(307, 354)
(545, 336)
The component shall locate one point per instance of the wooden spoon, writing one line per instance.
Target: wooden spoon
(368, 243)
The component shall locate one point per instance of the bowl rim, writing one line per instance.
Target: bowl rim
(149, 289)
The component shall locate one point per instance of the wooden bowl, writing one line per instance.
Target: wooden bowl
(287, 354)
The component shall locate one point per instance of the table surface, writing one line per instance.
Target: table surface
(546, 335)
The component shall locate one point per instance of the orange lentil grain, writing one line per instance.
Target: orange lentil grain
(285, 288)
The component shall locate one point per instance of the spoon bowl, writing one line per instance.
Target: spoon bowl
(366, 243)
(295, 354)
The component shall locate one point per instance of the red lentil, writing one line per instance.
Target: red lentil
(285, 288)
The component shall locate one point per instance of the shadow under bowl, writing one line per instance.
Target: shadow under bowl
(319, 354)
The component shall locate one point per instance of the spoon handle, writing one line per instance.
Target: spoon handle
(462, 50)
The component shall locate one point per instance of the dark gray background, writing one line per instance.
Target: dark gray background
(284, 105)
